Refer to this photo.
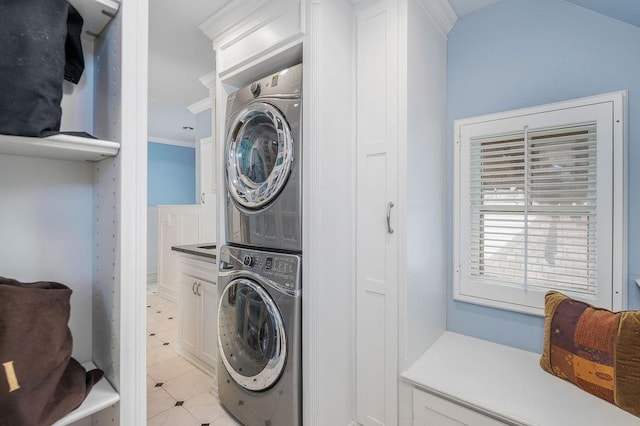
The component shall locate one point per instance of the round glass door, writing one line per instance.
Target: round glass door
(259, 153)
(251, 335)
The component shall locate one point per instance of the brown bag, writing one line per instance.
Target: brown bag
(39, 381)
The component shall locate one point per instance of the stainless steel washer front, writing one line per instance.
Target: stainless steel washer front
(253, 346)
(259, 336)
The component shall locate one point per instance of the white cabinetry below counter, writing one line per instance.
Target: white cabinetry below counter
(197, 310)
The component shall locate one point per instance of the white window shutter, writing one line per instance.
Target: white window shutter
(534, 206)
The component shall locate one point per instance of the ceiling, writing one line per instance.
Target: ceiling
(179, 53)
(623, 10)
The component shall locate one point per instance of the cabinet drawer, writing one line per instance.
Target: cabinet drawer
(202, 270)
(430, 410)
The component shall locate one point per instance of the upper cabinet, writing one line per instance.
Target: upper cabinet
(244, 32)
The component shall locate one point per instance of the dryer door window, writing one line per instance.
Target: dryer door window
(259, 155)
(251, 335)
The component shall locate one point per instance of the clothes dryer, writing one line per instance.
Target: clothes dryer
(259, 336)
(263, 163)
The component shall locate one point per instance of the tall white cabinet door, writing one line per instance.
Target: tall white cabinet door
(208, 190)
(377, 242)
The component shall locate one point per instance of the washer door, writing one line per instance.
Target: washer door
(259, 155)
(251, 335)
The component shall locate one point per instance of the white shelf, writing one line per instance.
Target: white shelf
(60, 147)
(95, 13)
(102, 395)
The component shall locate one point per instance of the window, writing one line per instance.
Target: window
(539, 205)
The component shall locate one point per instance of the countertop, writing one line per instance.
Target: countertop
(202, 249)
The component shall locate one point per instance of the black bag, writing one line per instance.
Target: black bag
(39, 381)
(39, 47)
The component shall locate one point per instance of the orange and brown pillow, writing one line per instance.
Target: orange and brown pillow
(593, 348)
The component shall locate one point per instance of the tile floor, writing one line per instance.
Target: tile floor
(178, 393)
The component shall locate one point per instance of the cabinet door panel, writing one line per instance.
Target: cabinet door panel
(377, 241)
(167, 262)
(208, 322)
(188, 331)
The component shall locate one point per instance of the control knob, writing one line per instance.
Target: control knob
(255, 89)
(248, 260)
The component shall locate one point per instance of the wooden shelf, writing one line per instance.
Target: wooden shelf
(95, 13)
(60, 147)
(102, 395)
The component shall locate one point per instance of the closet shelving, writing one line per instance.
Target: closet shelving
(60, 147)
(96, 14)
(102, 395)
(69, 203)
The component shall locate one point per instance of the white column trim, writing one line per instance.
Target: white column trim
(312, 245)
(132, 228)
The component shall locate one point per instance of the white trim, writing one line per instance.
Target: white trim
(200, 106)
(132, 226)
(204, 141)
(228, 17)
(620, 201)
(209, 80)
(188, 144)
(311, 222)
(152, 278)
(442, 14)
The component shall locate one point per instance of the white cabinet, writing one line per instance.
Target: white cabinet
(400, 198)
(198, 307)
(377, 240)
(73, 211)
(177, 225)
(430, 410)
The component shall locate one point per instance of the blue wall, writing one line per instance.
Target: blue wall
(521, 53)
(171, 175)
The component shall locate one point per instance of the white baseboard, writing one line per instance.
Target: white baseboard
(152, 278)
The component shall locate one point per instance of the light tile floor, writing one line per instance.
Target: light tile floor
(178, 393)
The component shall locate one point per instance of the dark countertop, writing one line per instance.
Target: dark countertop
(203, 249)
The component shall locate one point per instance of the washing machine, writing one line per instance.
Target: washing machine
(259, 336)
(263, 163)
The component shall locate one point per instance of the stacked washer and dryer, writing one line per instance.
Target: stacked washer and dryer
(259, 275)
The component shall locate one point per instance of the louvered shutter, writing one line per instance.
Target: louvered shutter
(534, 194)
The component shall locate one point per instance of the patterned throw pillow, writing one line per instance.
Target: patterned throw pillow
(593, 348)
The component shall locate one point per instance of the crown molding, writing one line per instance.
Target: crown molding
(202, 105)
(442, 14)
(228, 17)
(240, 17)
(208, 80)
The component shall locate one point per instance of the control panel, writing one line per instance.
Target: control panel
(282, 269)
